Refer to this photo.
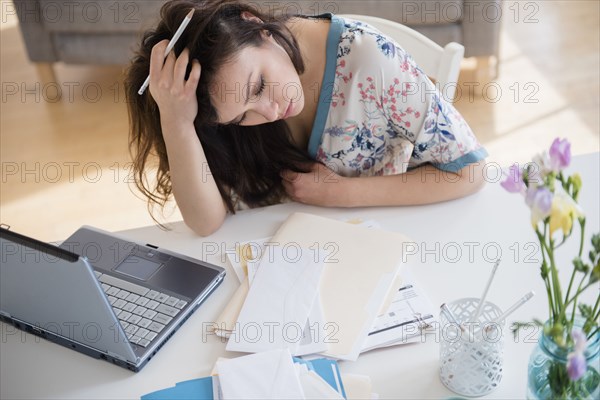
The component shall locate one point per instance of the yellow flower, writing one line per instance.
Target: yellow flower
(563, 211)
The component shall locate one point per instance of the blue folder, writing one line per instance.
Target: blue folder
(197, 389)
(201, 389)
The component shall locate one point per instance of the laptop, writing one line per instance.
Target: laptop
(101, 294)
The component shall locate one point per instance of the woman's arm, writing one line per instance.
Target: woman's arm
(422, 185)
(194, 187)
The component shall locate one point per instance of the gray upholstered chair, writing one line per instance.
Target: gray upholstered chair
(106, 31)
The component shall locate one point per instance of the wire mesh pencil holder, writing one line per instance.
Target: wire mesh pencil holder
(471, 352)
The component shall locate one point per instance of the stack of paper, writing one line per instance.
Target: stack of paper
(270, 375)
(361, 302)
(275, 375)
(281, 304)
(406, 318)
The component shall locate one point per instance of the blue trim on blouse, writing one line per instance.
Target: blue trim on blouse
(333, 40)
(463, 161)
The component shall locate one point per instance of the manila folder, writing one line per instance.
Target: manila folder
(360, 266)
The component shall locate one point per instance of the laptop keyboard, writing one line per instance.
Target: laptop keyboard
(142, 312)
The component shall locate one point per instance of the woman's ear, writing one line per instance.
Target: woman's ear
(248, 16)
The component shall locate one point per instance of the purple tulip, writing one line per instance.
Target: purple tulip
(576, 363)
(514, 180)
(560, 154)
(576, 366)
(579, 339)
(539, 198)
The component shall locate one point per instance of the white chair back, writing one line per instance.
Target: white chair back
(440, 63)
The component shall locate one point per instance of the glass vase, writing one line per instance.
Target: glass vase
(547, 371)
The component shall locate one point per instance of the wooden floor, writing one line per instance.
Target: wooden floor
(65, 164)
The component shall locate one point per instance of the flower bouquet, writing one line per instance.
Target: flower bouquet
(566, 362)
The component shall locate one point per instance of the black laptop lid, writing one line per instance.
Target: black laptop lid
(53, 291)
(145, 265)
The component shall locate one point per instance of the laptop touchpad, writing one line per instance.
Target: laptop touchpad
(138, 267)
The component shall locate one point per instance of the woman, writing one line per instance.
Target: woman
(252, 109)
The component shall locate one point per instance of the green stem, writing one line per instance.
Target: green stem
(596, 314)
(582, 225)
(555, 281)
(542, 241)
(572, 322)
(570, 284)
(591, 335)
(552, 267)
(552, 311)
(595, 309)
(579, 291)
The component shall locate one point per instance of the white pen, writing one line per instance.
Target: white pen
(170, 46)
(450, 317)
(518, 304)
(477, 311)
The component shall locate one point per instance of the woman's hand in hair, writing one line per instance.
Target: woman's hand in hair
(174, 95)
(321, 186)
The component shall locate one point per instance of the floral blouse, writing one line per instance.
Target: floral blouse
(379, 114)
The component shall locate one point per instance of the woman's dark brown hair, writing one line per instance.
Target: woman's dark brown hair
(244, 160)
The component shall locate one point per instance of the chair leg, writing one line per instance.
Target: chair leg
(45, 72)
(47, 77)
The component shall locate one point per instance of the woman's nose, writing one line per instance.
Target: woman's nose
(270, 110)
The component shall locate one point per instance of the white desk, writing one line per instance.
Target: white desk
(456, 243)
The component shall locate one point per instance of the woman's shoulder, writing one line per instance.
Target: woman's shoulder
(368, 42)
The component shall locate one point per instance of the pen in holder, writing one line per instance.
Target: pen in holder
(471, 352)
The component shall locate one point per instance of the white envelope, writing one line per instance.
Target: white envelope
(243, 254)
(267, 375)
(278, 304)
(252, 267)
(314, 387)
(314, 339)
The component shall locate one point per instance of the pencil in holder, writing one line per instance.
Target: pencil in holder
(471, 352)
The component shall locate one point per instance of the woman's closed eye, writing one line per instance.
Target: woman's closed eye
(261, 88)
